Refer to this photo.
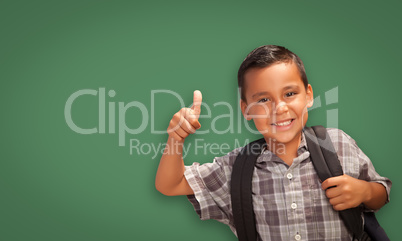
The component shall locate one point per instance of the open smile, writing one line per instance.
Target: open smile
(283, 123)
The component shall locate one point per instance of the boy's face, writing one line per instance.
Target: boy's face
(277, 101)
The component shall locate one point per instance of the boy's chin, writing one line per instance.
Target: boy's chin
(282, 138)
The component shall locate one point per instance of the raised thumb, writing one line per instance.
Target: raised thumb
(197, 100)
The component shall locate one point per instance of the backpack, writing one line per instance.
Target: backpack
(326, 164)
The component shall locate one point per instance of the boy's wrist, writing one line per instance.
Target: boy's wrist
(173, 146)
(376, 196)
(174, 140)
(368, 193)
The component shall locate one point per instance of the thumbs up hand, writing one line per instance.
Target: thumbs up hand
(185, 121)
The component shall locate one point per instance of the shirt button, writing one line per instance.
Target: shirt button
(294, 205)
(297, 237)
(289, 176)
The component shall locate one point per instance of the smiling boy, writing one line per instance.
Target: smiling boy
(278, 100)
(289, 201)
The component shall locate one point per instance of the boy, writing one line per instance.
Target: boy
(289, 201)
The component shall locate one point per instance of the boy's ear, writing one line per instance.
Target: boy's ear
(243, 107)
(310, 96)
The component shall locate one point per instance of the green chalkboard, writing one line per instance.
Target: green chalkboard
(88, 88)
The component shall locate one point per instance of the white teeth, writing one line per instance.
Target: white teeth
(283, 123)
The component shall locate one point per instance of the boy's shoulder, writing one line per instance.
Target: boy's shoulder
(224, 161)
(230, 157)
(339, 136)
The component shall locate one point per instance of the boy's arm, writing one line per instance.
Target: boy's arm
(348, 192)
(170, 178)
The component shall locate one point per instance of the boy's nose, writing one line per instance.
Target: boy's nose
(281, 108)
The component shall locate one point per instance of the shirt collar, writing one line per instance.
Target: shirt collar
(300, 150)
(303, 144)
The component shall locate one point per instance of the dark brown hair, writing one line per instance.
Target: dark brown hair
(265, 56)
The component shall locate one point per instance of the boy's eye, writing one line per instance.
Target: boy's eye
(263, 100)
(290, 94)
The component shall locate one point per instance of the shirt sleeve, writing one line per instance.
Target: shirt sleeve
(355, 163)
(211, 185)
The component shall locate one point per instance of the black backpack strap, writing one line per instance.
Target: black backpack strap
(373, 228)
(241, 191)
(326, 164)
(328, 151)
(316, 155)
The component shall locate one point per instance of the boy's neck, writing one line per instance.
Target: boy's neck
(285, 151)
